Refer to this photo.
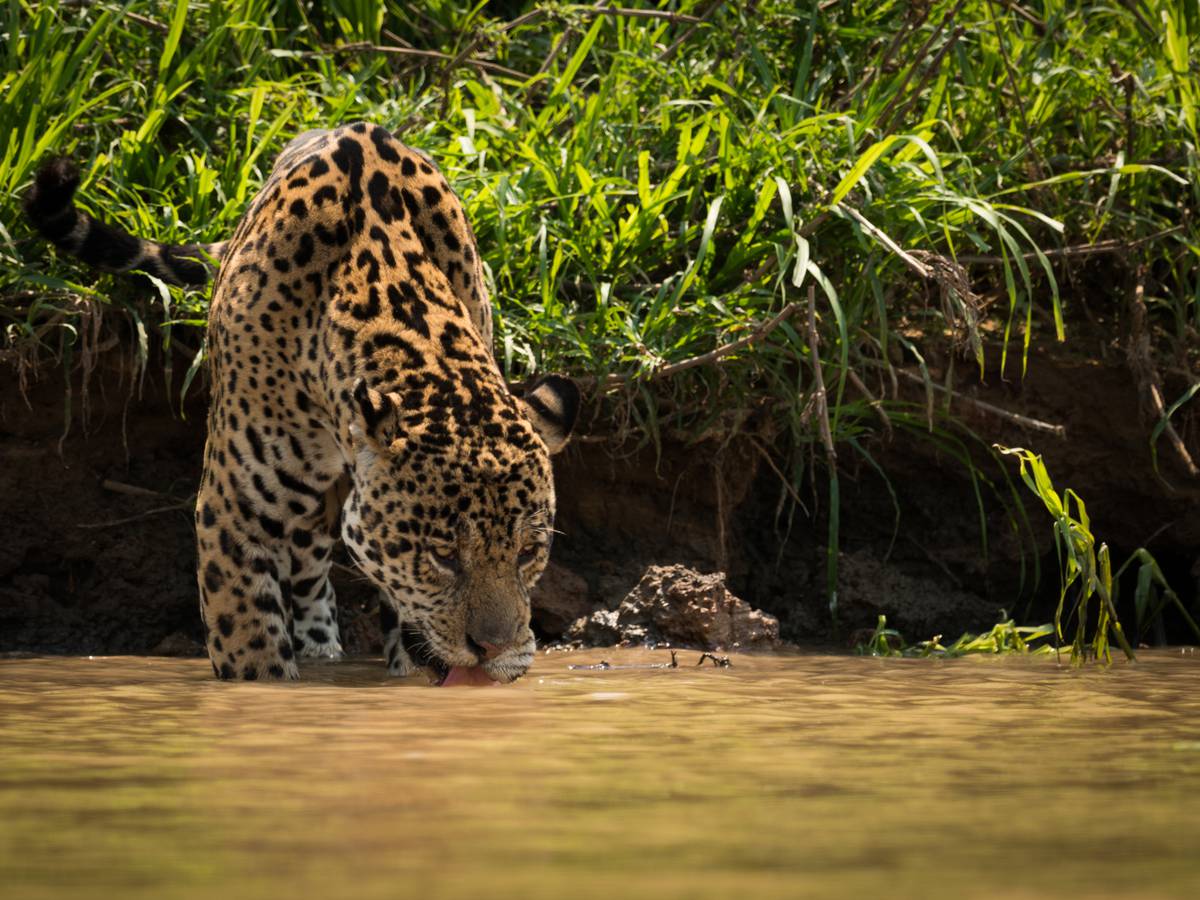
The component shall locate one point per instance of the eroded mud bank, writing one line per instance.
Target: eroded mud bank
(97, 556)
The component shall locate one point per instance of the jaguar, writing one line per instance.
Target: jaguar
(353, 391)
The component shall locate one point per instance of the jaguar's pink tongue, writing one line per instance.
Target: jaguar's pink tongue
(473, 675)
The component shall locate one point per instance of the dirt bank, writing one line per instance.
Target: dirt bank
(97, 556)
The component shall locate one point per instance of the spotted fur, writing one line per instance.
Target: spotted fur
(354, 389)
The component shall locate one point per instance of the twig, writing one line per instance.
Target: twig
(872, 401)
(819, 394)
(679, 41)
(1141, 365)
(615, 11)
(874, 71)
(1128, 84)
(554, 51)
(1017, 7)
(523, 19)
(604, 665)
(453, 64)
(178, 507)
(1025, 14)
(1109, 246)
(886, 115)
(805, 230)
(147, 22)
(1026, 132)
(722, 511)
(361, 46)
(783, 479)
(132, 490)
(712, 356)
(1059, 431)
(1133, 8)
(1156, 401)
(911, 261)
(889, 124)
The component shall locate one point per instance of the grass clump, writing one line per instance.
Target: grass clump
(1004, 638)
(1087, 580)
(1086, 572)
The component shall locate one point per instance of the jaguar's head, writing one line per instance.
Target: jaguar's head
(451, 514)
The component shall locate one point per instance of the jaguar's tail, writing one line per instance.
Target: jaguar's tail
(50, 207)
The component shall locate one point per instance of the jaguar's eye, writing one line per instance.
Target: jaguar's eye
(445, 557)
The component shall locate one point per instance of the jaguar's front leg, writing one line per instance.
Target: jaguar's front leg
(310, 548)
(265, 534)
(241, 601)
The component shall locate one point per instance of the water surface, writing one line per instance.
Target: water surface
(781, 776)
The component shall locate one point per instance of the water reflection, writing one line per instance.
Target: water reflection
(782, 776)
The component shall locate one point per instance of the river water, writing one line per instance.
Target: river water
(801, 776)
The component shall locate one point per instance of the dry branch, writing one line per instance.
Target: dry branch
(664, 15)
(1015, 86)
(705, 358)
(113, 523)
(930, 71)
(822, 398)
(679, 41)
(1141, 364)
(920, 14)
(554, 51)
(367, 47)
(132, 490)
(909, 260)
(872, 401)
(1058, 431)
(1111, 246)
(885, 117)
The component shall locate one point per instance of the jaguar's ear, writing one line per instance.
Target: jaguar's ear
(552, 406)
(378, 417)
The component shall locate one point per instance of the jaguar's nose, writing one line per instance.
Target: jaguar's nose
(487, 650)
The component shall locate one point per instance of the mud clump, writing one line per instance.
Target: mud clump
(679, 606)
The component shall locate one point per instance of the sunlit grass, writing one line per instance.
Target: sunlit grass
(1087, 578)
(1004, 638)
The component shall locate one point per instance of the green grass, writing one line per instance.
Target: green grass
(647, 189)
(1087, 577)
(1087, 582)
(1004, 638)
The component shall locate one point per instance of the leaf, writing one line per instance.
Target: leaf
(785, 201)
(578, 57)
(860, 168)
(802, 259)
(193, 369)
(172, 40)
(1161, 424)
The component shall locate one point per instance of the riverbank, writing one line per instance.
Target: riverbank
(98, 556)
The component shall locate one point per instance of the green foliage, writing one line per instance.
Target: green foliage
(1152, 593)
(1005, 637)
(1086, 576)
(1085, 565)
(1082, 563)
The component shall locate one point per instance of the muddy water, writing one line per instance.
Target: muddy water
(784, 776)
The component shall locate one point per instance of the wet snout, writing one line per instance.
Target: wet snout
(498, 633)
(491, 632)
